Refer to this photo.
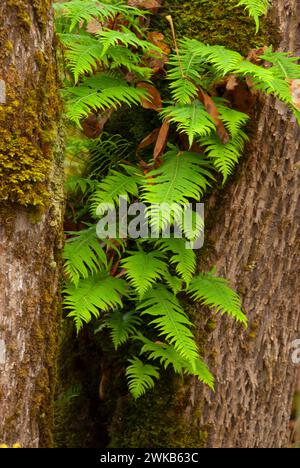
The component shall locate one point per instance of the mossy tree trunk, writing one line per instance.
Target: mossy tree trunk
(31, 212)
(254, 241)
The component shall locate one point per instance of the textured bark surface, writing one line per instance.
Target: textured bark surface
(30, 238)
(254, 241)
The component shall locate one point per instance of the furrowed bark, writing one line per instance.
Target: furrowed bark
(253, 240)
(31, 214)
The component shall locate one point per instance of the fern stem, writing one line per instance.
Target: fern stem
(170, 21)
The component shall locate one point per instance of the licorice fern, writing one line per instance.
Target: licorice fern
(256, 9)
(137, 289)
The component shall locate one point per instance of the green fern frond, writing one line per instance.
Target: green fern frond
(182, 175)
(110, 38)
(167, 355)
(256, 9)
(284, 65)
(83, 255)
(140, 377)
(118, 56)
(192, 119)
(183, 90)
(216, 293)
(86, 10)
(98, 292)
(83, 58)
(100, 92)
(143, 269)
(233, 120)
(174, 283)
(76, 183)
(224, 157)
(183, 258)
(171, 321)
(122, 325)
(114, 186)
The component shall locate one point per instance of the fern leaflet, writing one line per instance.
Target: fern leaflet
(83, 255)
(98, 292)
(122, 325)
(171, 321)
(140, 377)
(215, 292)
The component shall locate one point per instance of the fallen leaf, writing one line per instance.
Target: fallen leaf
(148, 140)
(153, 101)
(162, 139)
(231, 83)
(157, 38)
(93, 27)
(93, 125)
(211, 108)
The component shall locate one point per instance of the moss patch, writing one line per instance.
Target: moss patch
(27, 134)
(218, 22)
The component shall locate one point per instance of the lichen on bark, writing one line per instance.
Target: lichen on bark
(27, 119)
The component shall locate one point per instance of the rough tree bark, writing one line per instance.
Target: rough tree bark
(254, 241)
(31, 207)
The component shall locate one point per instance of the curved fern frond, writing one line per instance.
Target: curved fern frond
(82, 54)
(182, 175)
(167, 355)
(224, 157)
(170, 320)
(216, 293)
(192, 119)
(100, 92)
(122, 325)
(111, 37)
(284, 65)
(233, 120)
(114, 186)
(78, 11)
(83, 255)
(183, 258)
(256, 9)
(91, 295)
(143, 269)
(140, 377)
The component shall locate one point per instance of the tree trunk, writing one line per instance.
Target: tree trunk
(31, 208)
(254, 241)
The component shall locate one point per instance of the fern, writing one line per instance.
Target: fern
(79, 11)
(83, 255)
(170, 320)
(115, 185)
(122, 326)
(140, 377)
(98, 292)
(100, 92)
(167, 355)
(143, 269)
(191, 119)
(182, 175)
(183, 258)
(215, 292)
(256, 9)
(284, 66)
(109, 38)
(224, 157)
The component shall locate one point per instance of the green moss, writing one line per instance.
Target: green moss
(218, 22)
(28, 132)
(158, 420)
